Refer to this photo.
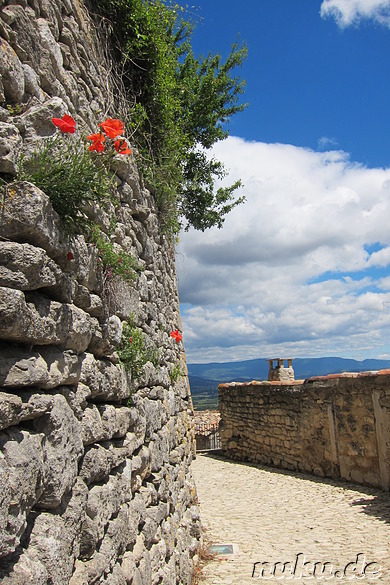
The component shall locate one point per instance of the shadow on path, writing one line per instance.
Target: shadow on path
(374, 501)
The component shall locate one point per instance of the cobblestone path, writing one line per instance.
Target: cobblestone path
(277, 516)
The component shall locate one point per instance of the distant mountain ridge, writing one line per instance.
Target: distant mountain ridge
(257, 369)
(204, 378)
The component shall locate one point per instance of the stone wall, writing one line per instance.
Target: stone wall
(95, 481)
(335, 426)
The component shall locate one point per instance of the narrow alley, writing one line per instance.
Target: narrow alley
(288, 526)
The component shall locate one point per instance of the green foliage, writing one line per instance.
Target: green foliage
(179, 105)
(122, 264)
(176, 373)
(70, 175)
(134, 351)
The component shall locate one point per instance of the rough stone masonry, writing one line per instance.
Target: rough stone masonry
(332, 426)
(95, 481)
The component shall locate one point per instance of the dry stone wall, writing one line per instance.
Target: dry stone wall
(335, 426)
(95, 480)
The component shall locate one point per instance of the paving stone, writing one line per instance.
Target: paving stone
(274, 516)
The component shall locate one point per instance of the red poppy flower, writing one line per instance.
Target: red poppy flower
(66, 124)
(176, 336)
(121, 146)
(97, 142)
(112, 127)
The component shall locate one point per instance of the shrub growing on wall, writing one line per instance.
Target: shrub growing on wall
(178, 105)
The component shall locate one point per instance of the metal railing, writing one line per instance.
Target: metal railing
(207, 437)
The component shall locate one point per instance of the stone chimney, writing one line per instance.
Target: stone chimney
(279, 373)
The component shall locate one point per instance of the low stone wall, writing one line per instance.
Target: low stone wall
(335, 426)
(95, 480)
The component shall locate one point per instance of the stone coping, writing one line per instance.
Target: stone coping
(278, 383)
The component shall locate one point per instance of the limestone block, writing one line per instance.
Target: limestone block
(98, 462)
(64, 367)
(51, 541)
(12, 74)
(10, 148)
(47, 368)
(76, 397)
(89, 538)
(141, 463)
(159, 451)
(28, 216)
(21, 483)
(124, 299)
(158, 553)
(103, 503)
(90, 303)
(85, 264)
(106, 380)
(95, 308)
(63, 448)
(115, 577)
(120, 533)
(42, 321)
(51, 11)
(106, 339)
(105, 500)
(25, 38)
(89, 572)
(92, 428)
(115, 421)
(17, 408)
(155, 415)
(31, 82)
(145, 569)
(23, 569)
(128, 566)
(27, 267)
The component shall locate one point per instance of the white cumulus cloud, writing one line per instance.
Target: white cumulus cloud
(349, 12)
(290, 273)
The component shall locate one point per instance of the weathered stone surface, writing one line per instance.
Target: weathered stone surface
(21, 482)
(52, 541)
(31, 83)
(329, 426)
(106, 340)
(27, 267)
(43, 322)
(12, 74)
(76, 397)
(97, 477)
(92, 428)
(116, 421)
(28, 216)
(19, 570)
(100, 460)
(90, 303)
(15, 408)
(85, 264)
(47, 368)
(62, 448)
(10, 146)
(104, 502)
(106, 380)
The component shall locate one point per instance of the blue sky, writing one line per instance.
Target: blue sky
(302, 268)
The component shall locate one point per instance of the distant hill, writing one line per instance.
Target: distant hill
(204, 378)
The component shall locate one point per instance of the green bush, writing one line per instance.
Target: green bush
(178, 105)
(122, 264)
(70, 175)
(134, 351)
